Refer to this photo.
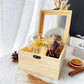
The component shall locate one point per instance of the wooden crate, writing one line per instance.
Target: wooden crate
(44, 65)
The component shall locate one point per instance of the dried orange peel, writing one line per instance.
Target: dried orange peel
(26, 49)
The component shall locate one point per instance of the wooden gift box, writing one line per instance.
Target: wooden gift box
(44, 65)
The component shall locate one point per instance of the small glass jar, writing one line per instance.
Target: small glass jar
(39, 43)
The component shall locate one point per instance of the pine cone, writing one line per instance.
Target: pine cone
(14, 56)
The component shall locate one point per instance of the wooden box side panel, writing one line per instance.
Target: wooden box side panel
(45, 66)
(62, 57)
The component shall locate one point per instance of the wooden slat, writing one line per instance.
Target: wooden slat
(41, 23)
(67, 27)
(56, 12)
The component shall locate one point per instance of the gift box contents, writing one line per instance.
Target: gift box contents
(45, 46)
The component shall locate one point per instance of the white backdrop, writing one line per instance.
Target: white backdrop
(10, 13)
(18, 20)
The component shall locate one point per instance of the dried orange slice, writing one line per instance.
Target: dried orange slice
(76, 62)
(70, 65)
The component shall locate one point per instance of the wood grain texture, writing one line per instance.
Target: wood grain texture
(67, 27)
(46, 66)
(41, 23)
(62, 58)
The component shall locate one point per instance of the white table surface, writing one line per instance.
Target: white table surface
(10, 74)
